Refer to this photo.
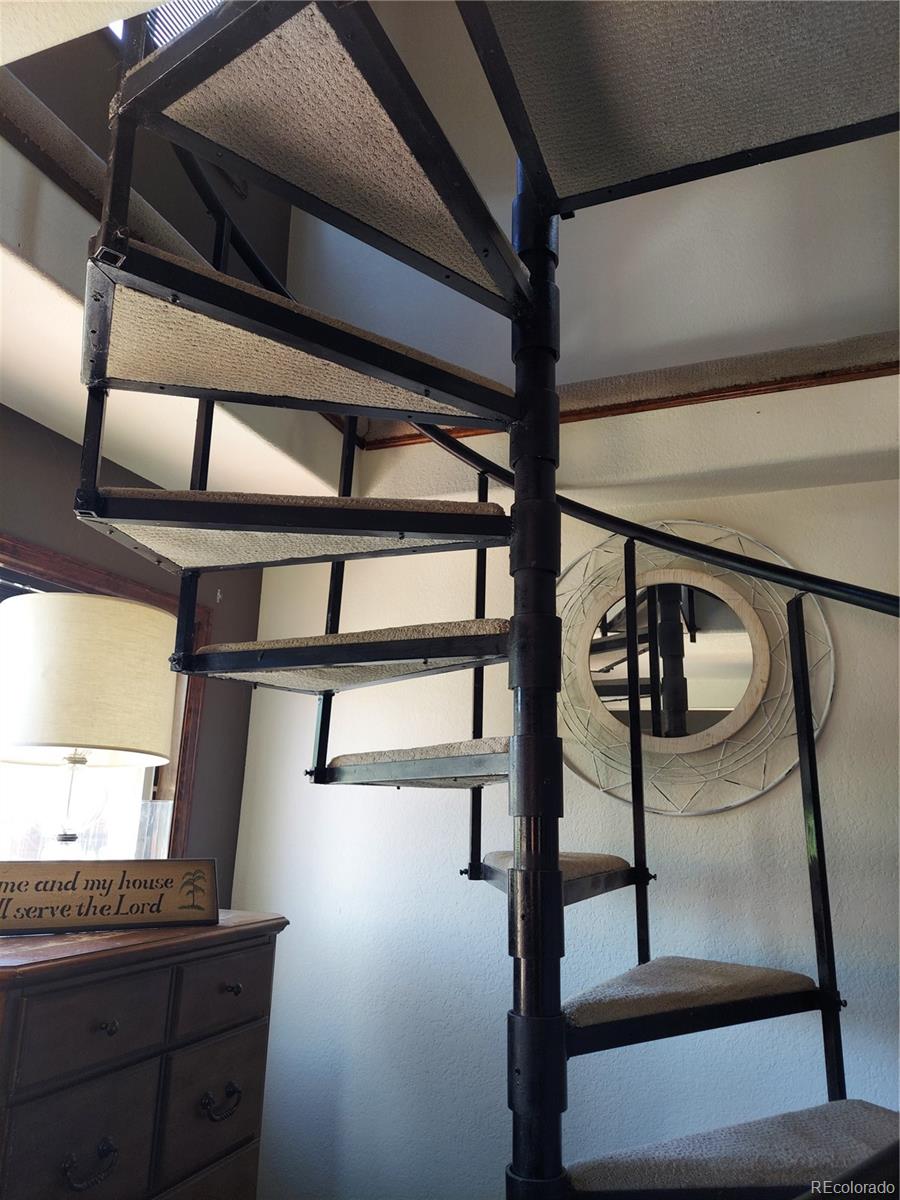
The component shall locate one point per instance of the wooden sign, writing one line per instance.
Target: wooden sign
(62, 897)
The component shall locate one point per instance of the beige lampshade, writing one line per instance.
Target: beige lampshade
(87, 673)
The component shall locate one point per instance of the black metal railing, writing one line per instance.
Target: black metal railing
(802, 581)
(829, 998)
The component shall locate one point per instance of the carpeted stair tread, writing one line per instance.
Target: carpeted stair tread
(296, 104)
(496, 745)
(327, 675)
(349, 502)
(386, 767)
(188, 545)
(572, 865)
(715, 80)
(670, 984)
(790, 1148)
(159, 344)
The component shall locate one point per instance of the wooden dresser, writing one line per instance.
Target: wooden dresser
(132, 1062)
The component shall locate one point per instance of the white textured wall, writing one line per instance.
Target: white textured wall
(43, 241)
(387, 1066)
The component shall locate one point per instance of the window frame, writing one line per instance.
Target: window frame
(62, 570)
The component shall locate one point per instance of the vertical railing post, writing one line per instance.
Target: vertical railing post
(187, 619)
(815, 852)
(112, 239)
(206, 408)
(333, 608)
(537, 1045)
(187, 597)
(113, 229)
(636, 753)
(474, 869)
(653, 654)
(92, 442)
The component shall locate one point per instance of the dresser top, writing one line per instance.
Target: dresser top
(27, 957)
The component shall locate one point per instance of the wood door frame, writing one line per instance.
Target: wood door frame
(54, 567)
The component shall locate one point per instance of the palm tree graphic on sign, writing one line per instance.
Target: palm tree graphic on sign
(192, 884)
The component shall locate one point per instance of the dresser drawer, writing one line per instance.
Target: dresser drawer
(91, 1025)
(212, 1100)
(232, 1179)
(102, 1129)
(216, 993)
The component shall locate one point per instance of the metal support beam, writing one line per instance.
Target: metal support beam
(815, 852)
(92, 442)
(202, 445)
(206, 407)
(187, 617)
(112, 239)
(671, 649)
(475, 869)
(333, 609)
(642, 914)
(537, 1053)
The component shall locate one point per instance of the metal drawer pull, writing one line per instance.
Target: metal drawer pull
(221, 1112)
(234, 988)
(110, 1028)
(107, 1152)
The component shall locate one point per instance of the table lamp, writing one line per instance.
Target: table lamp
(85, 681)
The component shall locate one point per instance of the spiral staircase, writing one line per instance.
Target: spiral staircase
(311, 101)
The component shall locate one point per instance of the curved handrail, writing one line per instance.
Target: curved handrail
(832, 589)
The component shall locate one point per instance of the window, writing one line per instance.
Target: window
(164, 24)
(109, 812)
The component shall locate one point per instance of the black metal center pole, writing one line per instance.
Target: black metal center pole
(537, 1049)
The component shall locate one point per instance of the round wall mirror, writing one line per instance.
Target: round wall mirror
(695, 660)
(716, 705)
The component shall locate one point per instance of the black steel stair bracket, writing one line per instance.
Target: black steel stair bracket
(474, 402)
(117, 512)
(584, 887)
(633, 1031)
(487, 648)
(537, 1056)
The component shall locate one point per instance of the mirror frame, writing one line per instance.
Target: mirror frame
(602, 601)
